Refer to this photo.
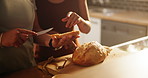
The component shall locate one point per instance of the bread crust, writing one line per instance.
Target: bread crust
(90, 53)
(73, 33)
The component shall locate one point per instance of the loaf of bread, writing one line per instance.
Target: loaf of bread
(90, 53)
(73, 33)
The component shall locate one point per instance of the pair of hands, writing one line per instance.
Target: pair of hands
(16, 37)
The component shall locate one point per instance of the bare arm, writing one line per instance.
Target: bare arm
(84, 26)
(81, 20)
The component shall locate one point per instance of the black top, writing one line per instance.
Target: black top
(50, 14)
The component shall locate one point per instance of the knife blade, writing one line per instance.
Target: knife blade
(44, 31)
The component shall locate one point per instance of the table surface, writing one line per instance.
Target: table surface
(117, 65)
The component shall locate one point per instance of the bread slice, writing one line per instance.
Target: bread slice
(73, 33)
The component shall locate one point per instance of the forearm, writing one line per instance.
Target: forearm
(84, 26)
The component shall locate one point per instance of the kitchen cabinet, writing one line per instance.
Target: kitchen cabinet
(113, 33)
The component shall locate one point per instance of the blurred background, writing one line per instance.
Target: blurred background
(116, 21)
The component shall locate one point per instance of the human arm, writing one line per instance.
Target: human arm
(81, 20)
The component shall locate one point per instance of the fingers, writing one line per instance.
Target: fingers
(24, 37)
(73, 22)
(21, 38)
(77, 21)
(65, 19)
(69, 38)
(16, 37)
(55, 41)
(71, 46)
(72, 19)
(25, 31)
(63, 41)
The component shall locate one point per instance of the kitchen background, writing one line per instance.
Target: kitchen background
(116, 21)
(135, 5)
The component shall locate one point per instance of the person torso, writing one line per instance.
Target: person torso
(16, 14)
(50, 14)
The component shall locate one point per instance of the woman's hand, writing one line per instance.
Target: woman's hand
(16, 37)
(71, 46)
(56, 42)
(72, 19)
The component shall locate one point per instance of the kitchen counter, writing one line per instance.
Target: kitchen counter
(131, 17)
(126, 60)
(117, 65)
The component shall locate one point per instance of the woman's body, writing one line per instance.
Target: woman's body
(16, 16)
(63, 15)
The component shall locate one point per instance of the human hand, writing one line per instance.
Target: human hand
(72, 19)
(71, 46)
(65, 40)
(16, 37)
(43, 40)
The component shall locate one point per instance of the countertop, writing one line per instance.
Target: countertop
(119, 65)
(131, 17)
(126, 60)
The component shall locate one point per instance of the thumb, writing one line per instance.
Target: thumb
(54, 41)
(69, 14)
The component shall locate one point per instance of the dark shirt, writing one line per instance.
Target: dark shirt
(50, 15)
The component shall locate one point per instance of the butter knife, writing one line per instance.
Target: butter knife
(44, 31)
